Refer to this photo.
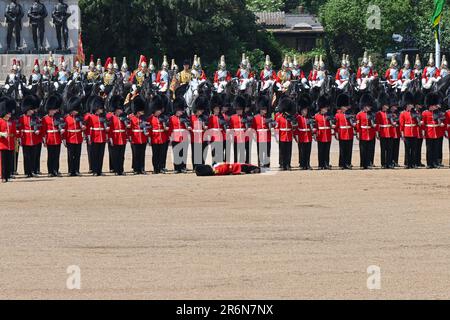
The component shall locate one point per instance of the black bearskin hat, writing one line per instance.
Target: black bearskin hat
(204, 170)
(138, 105)
(74, 104)
(10, 104)
(407, 99)
(366, 101)
(201, 103)
(239, 103)
(304, 102)
(179, 104)
(53, 102)
(382, 100)
(3, 109)
(263, 103)
(216, 101)
(343, 100)
(116, 103)
(419, 98)
(432, 99)
(30, 102)
(96, 103)
(157, 104)
(322, 102)
(286, 105)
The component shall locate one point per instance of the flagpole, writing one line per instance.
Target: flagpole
(438, 47)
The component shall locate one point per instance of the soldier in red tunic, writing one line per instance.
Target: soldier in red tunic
(344, 131)
(447, 125)
(366, 131)
(73, 135)
(418, 109)
(305, 131)
(96, 127)
(117, 134)
(324, 127)
(179, 126)
(8, 136)
(216, 133)
(138, 132)
(262, 125)
(224, 169)
(238, 129)
(409, 128)
(52, 131)
(199, 123)
(286, 124)
(159, 135)
(384, 132)
(395, 129)
(431, 127)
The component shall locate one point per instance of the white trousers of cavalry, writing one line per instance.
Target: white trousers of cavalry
(364, 82)
(341, 84)
(427, 84)
(267, 84)
(317, 83)
(245, 83)
(220, 87)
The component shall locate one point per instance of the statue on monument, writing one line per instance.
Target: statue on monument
(60, 15)
(37, 14)
(14, 14)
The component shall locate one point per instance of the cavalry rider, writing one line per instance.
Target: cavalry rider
(124, 71)
(93, 74)
(244, 73)
(418, 68)
(12, 77)
(284, 76)
(151, 69)
(222, 76)
(297, 72)
(63, 74)
(268, 76)
(406, 75)
(364, 74)
(116, 66)
(391, 75)
(343, 74)
(77, 75)
(46, 76)
(444, 67)
(51, 65)
(197, 72)
(174, 81)
(313, 72)
(36, 76)
(185, 76)
(431, 74)
(140, 74)
(109, 77)
(162, 78)
(319, 77)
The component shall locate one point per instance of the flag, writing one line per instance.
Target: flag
(80, 53)
(436, 19)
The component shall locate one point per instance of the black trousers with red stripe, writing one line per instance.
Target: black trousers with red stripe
(53, 153)
(7, 164)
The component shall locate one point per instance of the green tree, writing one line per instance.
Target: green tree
(265, 5)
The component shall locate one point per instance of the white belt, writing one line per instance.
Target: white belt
(28, 131)
(239, 129)
(385, 125)
(345, 127)
(366, 127)
(285, 129)
(138, 131)
(324, 128)
(52, 131)
(216, 129)
(197, 130)
(304, 130)
(98, 129)
(410, 125)
(179, 130)
(73, 131)
(262, 130)
(118, 131)
(432, 125)
(158, 131)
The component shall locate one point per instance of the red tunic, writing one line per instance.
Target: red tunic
(158, 133)
(383, 125)
(177, 130)
(447, 123)
(29, 135)
(135, 131)
(8, 135)
(323, 127)
(217, 80)
(216, 132)
(408, 125)
(117, 131)
(73, 133)
(238, 129)
(261, 128)
(304, 130)
(343, 128)
(197, 129)
(284, 129)
(96, 129)
(364, 127)
(431, 126)
(50, 131)
(223, 169)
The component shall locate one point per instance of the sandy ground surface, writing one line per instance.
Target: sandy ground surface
(284, 235)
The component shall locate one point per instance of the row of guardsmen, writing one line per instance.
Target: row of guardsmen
(219, 129)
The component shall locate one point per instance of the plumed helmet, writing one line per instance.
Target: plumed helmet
(92, 63)
(74, 104)
(322, 102)
(343, 100)
(116, 103)
(216, 101)
(431, 60)
(138, 105)
(157, 104)
(407, 99)
(201, 103)
(382, 100)
(418, 63)
(268, 63)
(222, 63)
(304, 102)
(286, 62)
(142, 61)
(124, 64)
(179, 104)
(366, 100)
(115, 64)
(14, 64)
(165, 63)
(393, 61)
(239, 103)
(365, 59)
(432, 99)
(370, 63)
(407, 64)
(53, 102)
(10, 105)
(174, 66)
(109, 64)
(347, 59)
(30, 102)
(263, 103)
(316, 62)
(344, 60)
(444, 62)
(151, 66)
(287, 105)
(204, 170)
(96, 103)
(321, 62)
